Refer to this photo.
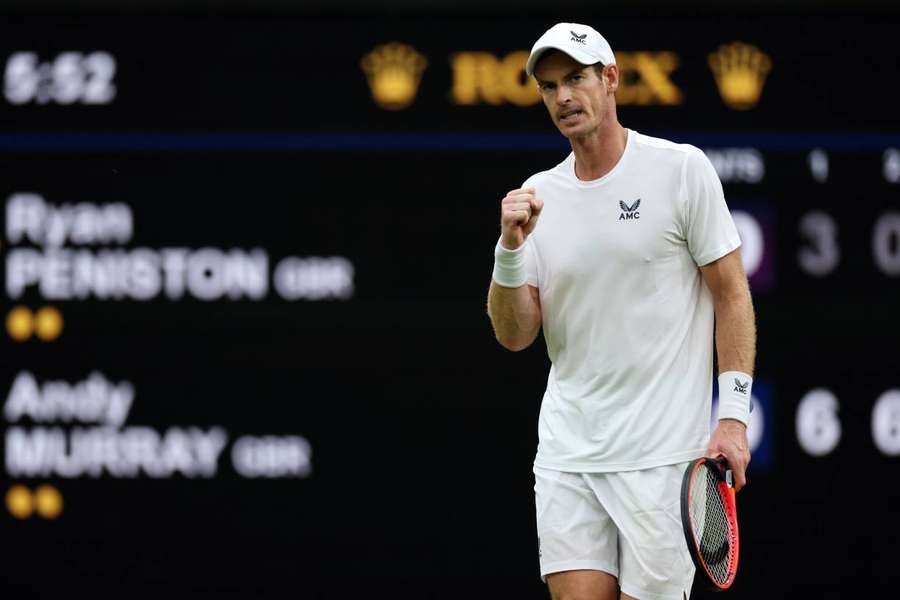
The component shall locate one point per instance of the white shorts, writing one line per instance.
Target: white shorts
(627, 524)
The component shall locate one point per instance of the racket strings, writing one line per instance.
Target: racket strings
(710, 524)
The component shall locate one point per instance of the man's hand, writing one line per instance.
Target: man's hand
(730, 440)
(518, 217)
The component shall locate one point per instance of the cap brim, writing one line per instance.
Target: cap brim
(579, 55)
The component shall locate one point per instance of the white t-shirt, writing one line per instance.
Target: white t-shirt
(627, 318)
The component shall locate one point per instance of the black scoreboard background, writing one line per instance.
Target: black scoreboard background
(246, 350)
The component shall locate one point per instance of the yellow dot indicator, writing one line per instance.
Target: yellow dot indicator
(48, 323)
(20, 323)
(48, 501)
(19, 502)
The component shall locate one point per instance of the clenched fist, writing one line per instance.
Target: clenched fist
(519, 213)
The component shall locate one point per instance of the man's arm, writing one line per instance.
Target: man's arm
(515, 314)
(736, 347)
(513, 306)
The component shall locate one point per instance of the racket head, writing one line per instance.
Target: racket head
(709, 518)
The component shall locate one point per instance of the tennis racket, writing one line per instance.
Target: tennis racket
(709, 517)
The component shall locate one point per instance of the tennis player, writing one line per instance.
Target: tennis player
(625, 253)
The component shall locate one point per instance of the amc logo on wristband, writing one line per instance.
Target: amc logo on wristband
(759, 431)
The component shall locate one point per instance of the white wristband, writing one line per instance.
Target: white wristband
(509, 266)
(735, 393)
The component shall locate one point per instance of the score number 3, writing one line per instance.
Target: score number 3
(69, 78)
(823, 253)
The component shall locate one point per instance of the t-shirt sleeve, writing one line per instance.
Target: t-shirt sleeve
(531, 272)
(708, 227)
(531, 268)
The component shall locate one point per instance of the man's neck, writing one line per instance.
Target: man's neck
(597, 154)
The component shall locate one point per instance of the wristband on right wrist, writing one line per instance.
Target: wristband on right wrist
(509, 266)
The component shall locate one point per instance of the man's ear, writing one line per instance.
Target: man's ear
(611, 73)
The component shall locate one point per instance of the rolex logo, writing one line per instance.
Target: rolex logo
(740, 71)
(394, 71)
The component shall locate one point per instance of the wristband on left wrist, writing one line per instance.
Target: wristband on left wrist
(735, 396)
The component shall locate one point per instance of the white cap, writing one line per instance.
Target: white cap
(581, 42)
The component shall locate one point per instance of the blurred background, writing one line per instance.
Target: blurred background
(246, 250)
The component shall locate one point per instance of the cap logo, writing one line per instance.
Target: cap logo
(578, 38)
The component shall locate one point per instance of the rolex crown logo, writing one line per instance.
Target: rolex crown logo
(740, 70)
(394, 71)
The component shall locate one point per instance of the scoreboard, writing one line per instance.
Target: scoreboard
(245, 264)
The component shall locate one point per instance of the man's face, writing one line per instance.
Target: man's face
(573, 93)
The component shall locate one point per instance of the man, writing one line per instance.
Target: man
(624, 253)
